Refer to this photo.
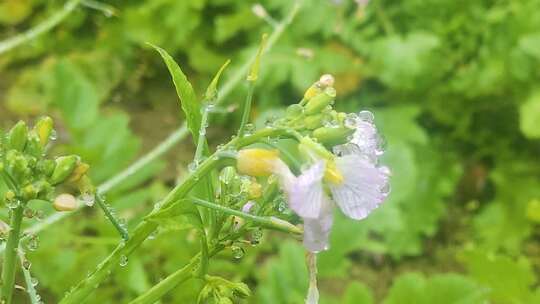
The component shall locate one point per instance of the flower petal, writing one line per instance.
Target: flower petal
(364, 188)
(317, 231)
(305, 193)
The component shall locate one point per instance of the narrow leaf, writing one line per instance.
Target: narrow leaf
(184, 90)
(211, 91)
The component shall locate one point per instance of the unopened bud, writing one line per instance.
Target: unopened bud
(65, 202)
(64, 168)
(17, 136)
(29, 192)
(326, 80)
(314, 121)
(318, 103)
(257, 162)
(80, 170)
(44, 129)
(332, 136)
(241, 290)
(254, 190)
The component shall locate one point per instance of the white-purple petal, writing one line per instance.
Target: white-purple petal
(364, 187)
(305, 193)
(317, 231)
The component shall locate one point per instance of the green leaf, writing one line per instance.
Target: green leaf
(529, 117)
(357, 293)
(508, 279)
(184, 90)
(414, 288)
(180, 215)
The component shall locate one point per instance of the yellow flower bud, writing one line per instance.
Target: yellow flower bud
(65, 202)
(78, 172)
(44, 129)
(254, 190)
(257, 162)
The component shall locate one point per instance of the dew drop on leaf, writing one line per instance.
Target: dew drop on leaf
(238, 252)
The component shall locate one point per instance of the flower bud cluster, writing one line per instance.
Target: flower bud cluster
(222, 291)
(315, 116)
(30, 175)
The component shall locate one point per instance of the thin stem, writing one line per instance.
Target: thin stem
(246, 109)
(41, 28)
(12, 245)
(32, 293)
(173, 280)
(265, 221)
(111, 217)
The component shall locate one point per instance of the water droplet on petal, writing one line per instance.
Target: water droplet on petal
(366, 116)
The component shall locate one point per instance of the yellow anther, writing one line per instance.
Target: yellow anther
(332, 174)
(257, 162)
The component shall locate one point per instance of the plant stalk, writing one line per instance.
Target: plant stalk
(10, 255)
(247, 109)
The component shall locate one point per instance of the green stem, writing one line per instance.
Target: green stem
(32, 293)
(173, 280)
(265, 221)
(247, 109)
(111, 217)
(201, 142)
(12, 245)
(41, 28)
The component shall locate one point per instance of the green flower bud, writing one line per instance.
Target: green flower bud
(33, 145)
(29, 192)
(318, 103)
(241, 290)
(331, 136)
(46, 167)
(17, 136)
(295, 110)
(65, 165)
(314, 121)
(225, 301)
(17, 166)
(44, 129)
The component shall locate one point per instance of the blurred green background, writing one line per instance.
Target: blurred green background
(454, 85)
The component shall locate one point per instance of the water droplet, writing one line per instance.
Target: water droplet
(385, 170)
(34, 281)
(351, 120)
(153, 235)
(193, 166)
(88, 199)
(53, 136)
(256, 237)
(123, 260)
(39, 214)
(13, 203)
(385, 189)
(366, 116)
(26, 264)
(238, 252)
(28, 213)
(33, 243)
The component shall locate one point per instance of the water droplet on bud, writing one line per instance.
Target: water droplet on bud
(366, 116)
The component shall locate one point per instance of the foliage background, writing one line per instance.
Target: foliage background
(453, 84)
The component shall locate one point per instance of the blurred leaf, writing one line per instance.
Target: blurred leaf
(357, 293)
(529, 121)
(508, 279)
(414, 288)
